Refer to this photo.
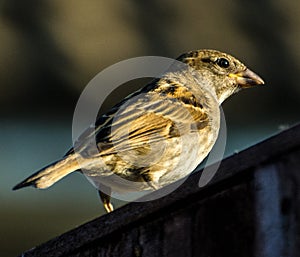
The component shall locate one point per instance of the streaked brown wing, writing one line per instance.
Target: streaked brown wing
(148, 118)
(160, 110)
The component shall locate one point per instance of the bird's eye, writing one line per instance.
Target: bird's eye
(223, 63)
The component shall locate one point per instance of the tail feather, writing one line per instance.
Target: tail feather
(50, 174)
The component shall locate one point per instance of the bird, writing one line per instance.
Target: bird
(158, 134)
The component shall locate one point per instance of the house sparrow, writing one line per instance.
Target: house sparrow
(158, 134)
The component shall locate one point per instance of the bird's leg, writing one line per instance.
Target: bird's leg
(105, 198)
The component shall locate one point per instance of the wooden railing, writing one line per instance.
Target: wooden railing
(250, 208)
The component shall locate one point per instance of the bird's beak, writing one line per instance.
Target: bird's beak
(247, 78)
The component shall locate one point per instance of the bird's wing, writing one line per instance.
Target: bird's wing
(147, 116)
(147, 119)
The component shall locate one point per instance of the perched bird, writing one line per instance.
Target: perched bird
(158, 134)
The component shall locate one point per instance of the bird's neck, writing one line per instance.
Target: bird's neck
(226, 92)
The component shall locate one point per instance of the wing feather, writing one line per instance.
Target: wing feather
(159, 111)
(150, 119)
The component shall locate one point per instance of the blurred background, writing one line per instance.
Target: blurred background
(50, 50)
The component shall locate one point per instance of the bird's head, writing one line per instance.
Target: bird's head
(224, 72)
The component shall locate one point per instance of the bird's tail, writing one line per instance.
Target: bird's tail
(51, 174)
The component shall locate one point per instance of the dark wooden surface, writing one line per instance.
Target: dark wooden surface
(250, 208)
